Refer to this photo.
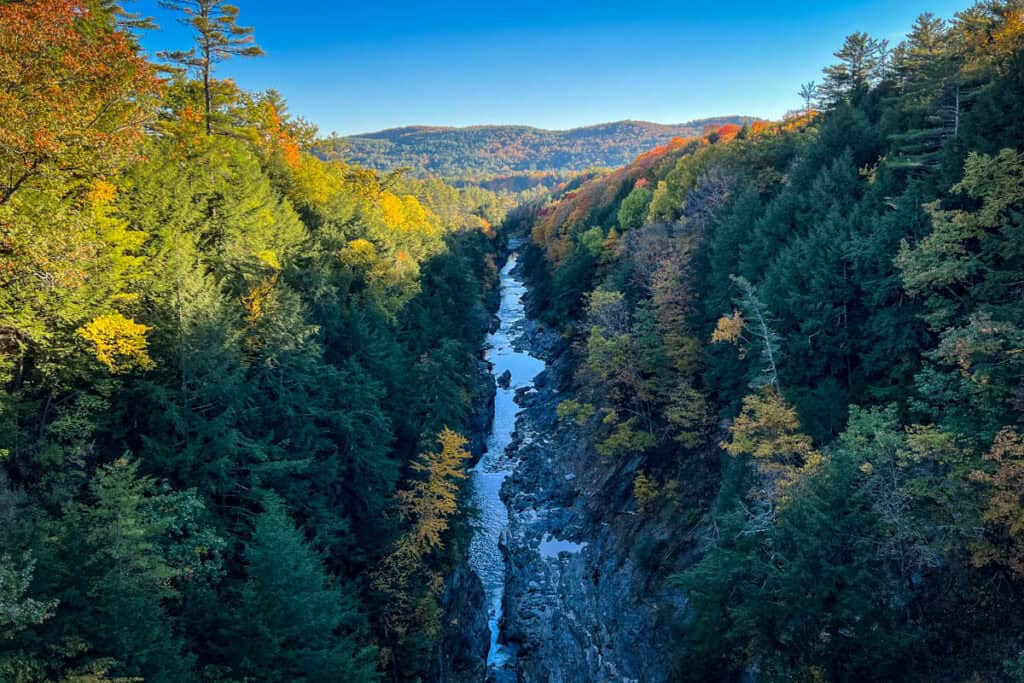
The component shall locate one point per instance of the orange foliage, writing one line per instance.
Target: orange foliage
(728, 132)
(74, 93)
(558, 222)
(276, 137)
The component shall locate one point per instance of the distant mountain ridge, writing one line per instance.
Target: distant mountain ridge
(495, 150)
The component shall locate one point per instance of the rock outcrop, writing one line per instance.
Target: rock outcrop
(462, 654)
(585, 597)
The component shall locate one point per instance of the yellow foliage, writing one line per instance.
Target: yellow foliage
(255, 301)
(645, 492)
(430, 502)
(314, 182)
(270, 258)
(1004, 510)
(406, 214)
(359, 253)
(425, 506)
(391, 207)
(101, 192)
(118, 342)
(650, 494)
(729, 328)
(768, 430)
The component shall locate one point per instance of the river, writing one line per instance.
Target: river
(485, 554)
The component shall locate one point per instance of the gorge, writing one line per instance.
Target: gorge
(740, 400)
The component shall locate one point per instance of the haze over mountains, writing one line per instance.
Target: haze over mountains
(482, 151)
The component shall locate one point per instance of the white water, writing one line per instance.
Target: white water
(485, 556)
(551, 547)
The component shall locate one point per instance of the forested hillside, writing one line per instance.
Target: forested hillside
(801, 342)
(486, 151)
(777, 435)
(232, 373)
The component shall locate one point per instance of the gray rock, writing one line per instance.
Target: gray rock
(585, 596)
(592, 613)
(465, 637)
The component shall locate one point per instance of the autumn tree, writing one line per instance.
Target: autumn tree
(426, 506)
(217, 37)
(750, 327)
(768, 430)
(74, 92)
(1004, 511)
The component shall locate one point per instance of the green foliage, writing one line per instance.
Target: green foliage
(298, 622)
(575, 410)
(624, 439)
(633, 210)
(269, 337)
(18, 609)
(860, 267)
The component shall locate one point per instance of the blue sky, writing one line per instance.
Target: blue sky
(358, 67)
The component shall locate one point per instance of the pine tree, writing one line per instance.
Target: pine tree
(862, 63)
(113, 578)
(218, 37)
(299, 624)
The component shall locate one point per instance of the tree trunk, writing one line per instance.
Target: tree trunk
(207, 97)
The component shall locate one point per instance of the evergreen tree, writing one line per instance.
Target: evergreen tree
(296, 622)
(217, 37)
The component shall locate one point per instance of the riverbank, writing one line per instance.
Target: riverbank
(560, 547)
(584, 597)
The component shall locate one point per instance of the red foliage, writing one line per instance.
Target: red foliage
(728, 132)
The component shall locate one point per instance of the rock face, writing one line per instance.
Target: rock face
(505, 379)
(584, 595)
(481, 418)
(584, 598)
(463, 648)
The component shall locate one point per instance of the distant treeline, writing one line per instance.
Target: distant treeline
(482, 152)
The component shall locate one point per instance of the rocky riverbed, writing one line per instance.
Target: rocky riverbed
(582, 595)
(583, 599)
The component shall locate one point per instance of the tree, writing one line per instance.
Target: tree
(17, 610)
(74, 91)
(218, 37)
(406, 577)
(114, 576)
(862, 63)
(965, 272)
(1004, 511)
(767, 429)
(808, 93)
(296, 622)
(817, 594)
(750, 324)
(633, 210)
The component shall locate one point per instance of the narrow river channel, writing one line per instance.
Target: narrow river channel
(485, 555)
